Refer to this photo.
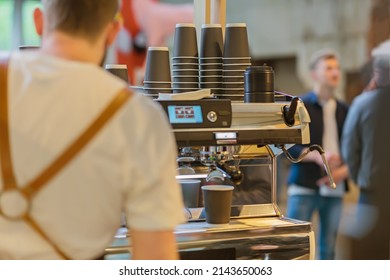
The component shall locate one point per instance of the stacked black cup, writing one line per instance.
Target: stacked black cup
(119, 70)
(211, 58)
(236, 58)
(185, 63)
(158, 72)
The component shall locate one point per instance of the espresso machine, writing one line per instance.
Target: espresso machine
(236, 143)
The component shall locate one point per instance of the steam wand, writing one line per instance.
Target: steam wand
(311, 148)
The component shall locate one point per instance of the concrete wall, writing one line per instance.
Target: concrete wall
(297, 28)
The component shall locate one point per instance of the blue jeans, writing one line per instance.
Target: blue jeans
(302, 207)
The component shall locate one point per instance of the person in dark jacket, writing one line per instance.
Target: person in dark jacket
(308, 185)
(366, 137)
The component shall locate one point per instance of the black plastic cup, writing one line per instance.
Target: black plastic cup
(184, 59)
(233, 73)
(211, 66)
(233, 79)
(211, 85)
(236, 40)
(211, 44)
(185, 66)
(240, 60)
(149, 84)
(211, 72)
(185, 72)
(207, 60)
(210, 79)
(181, 90)
(157, 65)
(236, 67)
(157, 91)
(185, 85)
(185, 79)
(233, 85)
(217, 203)
(185, 41)
(118, 70)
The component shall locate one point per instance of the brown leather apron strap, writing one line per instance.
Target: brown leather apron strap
(5, 153)
(8, 175)
(29, 220)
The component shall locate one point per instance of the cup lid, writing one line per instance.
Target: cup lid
(237, 58)
(116, 66)
(237, 64)
(263, 68)
(185, 76)
(212, 63)
(184, 83)
(240, 24)
(194, 70)
(185, 25)
(158, 48)
(211, 25)
(158, 82)
(185, 57)
(189, 63)
(185, 88)
(152, 88)
(211, 57)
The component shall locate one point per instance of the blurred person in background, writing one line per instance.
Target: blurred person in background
(62, 192)
(365, 141)
(308, 184)
(146, 23)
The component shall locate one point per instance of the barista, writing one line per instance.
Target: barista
(60, 200)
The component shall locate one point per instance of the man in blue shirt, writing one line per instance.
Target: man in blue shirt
(308, 185)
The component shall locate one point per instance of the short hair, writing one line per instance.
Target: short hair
(381, 67)
(80, 18)
(321, 55)
(381, 63)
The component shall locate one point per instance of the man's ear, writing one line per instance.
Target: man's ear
(38, 21)
(113, 30)
(313, 75)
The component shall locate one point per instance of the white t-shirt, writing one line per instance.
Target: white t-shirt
(330, 143)
(130, 164)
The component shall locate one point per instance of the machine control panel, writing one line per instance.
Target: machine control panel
(205, 113)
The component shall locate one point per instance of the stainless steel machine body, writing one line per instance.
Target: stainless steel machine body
(243, 155)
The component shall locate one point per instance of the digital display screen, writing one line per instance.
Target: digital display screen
(185, 114)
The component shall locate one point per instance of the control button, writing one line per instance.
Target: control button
(212, 116)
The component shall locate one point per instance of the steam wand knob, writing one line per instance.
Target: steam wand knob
(289, 111)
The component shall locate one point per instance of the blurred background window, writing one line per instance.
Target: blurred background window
(16, 24)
